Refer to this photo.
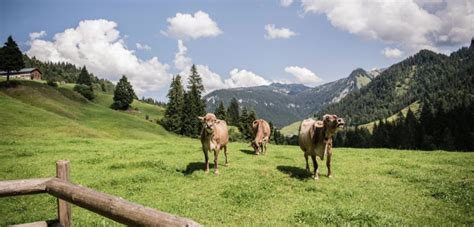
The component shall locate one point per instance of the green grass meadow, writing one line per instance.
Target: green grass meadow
(123, 154)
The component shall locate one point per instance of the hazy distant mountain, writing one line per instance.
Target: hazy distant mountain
(286, 103)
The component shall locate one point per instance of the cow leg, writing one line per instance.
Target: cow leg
(307, 164)
(216, 157)
(225, 153)
(206, 159)
(264, 147)
(328, 162)
(315, 164)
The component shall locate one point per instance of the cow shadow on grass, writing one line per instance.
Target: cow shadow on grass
(194, 166)
(246, 151)
(295, 172)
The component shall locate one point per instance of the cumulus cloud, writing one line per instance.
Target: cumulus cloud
(36, 35)
(303, 75)
(278, 33)
(211, 80)
(414, 24)
(286, 3)
(97, 44)
(244, 78)
(142, 46)
(392, 52)
(185, 26)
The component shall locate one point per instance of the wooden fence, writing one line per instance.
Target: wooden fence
(109, 206)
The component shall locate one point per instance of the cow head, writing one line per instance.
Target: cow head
(332, 123)
(255, 146)
(208, 122)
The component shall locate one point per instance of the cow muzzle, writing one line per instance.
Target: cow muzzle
(340, 123)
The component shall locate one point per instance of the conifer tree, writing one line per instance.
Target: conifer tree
(172, 120)
(84, 78)
(123, 95)
(194, 106)
(11, 58)
(220, 112)
(233, 112)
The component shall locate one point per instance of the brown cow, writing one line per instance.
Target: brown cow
(261, 130)
(315, 139)
(214, 136)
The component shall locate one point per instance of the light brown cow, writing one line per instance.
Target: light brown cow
(315, 139)
(214, 137)
(261, 130)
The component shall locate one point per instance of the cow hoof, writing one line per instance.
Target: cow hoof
(226, 165)
(330, 176)
(316, 178)
(206, 171)
(216, 173)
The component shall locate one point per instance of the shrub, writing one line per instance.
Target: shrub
(85, 91)
(52, 83)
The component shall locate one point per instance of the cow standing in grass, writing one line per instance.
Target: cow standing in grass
(261, 130)
(214, 137)
(315, 139)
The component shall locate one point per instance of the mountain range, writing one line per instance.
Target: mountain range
(283, 104)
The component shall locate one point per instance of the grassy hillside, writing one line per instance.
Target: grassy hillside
(124, 155)
(291, 129)
(415, 107)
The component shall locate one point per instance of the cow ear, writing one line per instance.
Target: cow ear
(201, 118)
(326, 117)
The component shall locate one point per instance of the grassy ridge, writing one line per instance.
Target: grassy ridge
(124, 155)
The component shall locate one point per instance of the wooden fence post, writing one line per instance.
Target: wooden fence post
(64, 208)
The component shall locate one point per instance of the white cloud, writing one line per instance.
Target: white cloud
(414, 24)
(275, 33)
(244, 78)
(286, 3)
(142, 46)
(37, 35)
(211, 80)
(181, 61)
(392, 52)
(184, 26)
(97, 44)
(303, 75)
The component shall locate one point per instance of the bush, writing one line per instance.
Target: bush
(235, 134)
(85, 91)
(52, 83)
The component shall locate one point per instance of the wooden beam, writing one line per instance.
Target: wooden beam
(50, 223)
(23, 187)
(114, 207)
(64, 208)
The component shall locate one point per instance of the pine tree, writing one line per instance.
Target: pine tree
(194, 105)
(233, 112)
(411, 131)
(187, 128)
(243, 121)
(172, 120)
(84, 78)
(220, 112)
(123, 95)
(11, 58)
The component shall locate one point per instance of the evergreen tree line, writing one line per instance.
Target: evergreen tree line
(153, 101)
(67, 73)
(243, 121)
(435, 129)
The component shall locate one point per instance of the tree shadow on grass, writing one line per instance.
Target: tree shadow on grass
(250, 152)
(294, 172)
(194, 166)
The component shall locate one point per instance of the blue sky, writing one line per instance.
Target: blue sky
(331, 39)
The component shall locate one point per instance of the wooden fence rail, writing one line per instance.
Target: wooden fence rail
(109, 206)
